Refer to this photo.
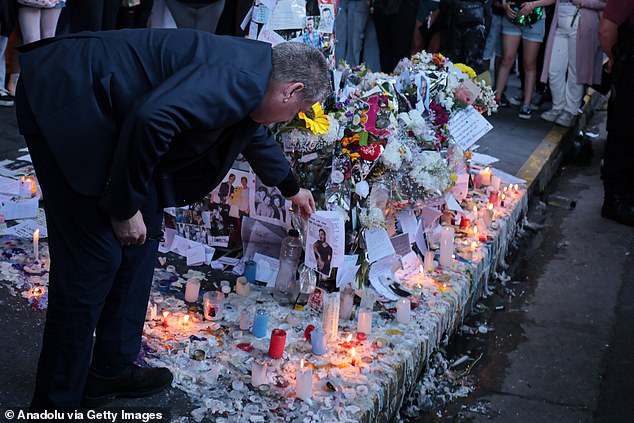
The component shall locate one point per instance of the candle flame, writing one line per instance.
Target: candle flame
(186, 318)
(444, 285)
(487, 169)
(474, 244)
(490, 205)
(353, 352)
(301, 364)
(475, 230)
(475, 209)
(421, 268)
(349, 338)
(503, 196)
(36, 235)
(166, 313)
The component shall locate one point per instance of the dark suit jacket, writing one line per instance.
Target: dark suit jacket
(118, 108)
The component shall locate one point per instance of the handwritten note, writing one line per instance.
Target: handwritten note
(468, 126)
(21, 209)
(266, 270)
(26, 229)
(378, 243)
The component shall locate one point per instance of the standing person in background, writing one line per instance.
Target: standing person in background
(7, 21)
(531, 37)
(493, 45)
(356, 35)
(37, 23)
(394, 21)
(465, 33)
(428, 27)
(93, 15)
(573, 57)
(616, 35)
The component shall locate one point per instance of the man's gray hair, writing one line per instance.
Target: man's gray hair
(299, 62)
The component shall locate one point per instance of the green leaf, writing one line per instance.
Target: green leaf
(363, 138)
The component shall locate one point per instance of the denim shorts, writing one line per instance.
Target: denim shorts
(534, 32)
(493, 46)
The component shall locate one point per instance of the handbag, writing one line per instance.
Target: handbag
(39, 4)
(527, 20)
(387, 7)
(467, 13)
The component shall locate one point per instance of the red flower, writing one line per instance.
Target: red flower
(370, 152)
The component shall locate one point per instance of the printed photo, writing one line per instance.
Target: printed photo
(327, 18)
(270, 205)
(422, 95)
(319, 251)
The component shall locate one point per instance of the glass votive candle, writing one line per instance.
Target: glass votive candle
(250, 268)
(213, 304)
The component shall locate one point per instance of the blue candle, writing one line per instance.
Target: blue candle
(260, 323)
(250, 268)
(318, 341)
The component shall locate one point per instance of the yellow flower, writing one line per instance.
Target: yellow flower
(315, 119)
(466, 69)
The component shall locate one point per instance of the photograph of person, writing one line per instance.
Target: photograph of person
(327, 20)
(422, 93)
(270, 205)
(310, 35)
(323, 253)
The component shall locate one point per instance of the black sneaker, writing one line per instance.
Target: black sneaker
(525, 112)
(7, 100)
(503, 101)
(134, 382)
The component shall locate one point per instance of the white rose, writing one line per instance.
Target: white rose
(362, 189)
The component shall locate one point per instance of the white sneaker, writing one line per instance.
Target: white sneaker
(550, 115)
(566, 119)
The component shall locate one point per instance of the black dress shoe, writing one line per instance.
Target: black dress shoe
(134, 382)
(619, 209)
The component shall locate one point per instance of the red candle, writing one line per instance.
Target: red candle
(464, 222)
(477, 180)
(494, 198)
(276, 347)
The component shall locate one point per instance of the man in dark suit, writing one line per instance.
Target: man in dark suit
(119, 125)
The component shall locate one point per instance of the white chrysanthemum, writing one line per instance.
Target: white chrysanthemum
(395, 154)
(430, 170)
(445, 100)
(372, 218)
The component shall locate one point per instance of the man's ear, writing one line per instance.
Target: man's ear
(292, 89)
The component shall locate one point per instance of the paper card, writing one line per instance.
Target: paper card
(381, 277)
(196, 255)
(401, 244)
(9, 186)
(461, 189)
(261, 237)
(378, 244)
(260, 13)
(21, 209)
(24, 150)
(337, 75)
(288, 14)
(316, 300)
(209, 254)
(507, 178)
(452, 203)
(229, 261)
(246, 19)
(467, 126)
(168, 236)
(270, 37)
(429, 216)
(348, 270)
(325, 242)
(26, 158)
(266, 270)
(253, 31)
(409, 224)
(420, 239)
(269, 3)
(483, 159)
(411, 262)
(26, 229)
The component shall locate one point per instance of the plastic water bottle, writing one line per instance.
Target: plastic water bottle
(286, 282)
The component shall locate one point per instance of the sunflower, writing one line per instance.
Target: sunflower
(315, 119)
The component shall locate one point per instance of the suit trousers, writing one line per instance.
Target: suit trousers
(94, 284)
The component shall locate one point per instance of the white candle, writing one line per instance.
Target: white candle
(304, 382)
(495, 182)
(429, 261)
(330, 318)
(36, 241)
(258, 373)
(403, 310)
(191, 290)
(364, 321)
(153, 311)
(27, 186)
(242, 287)
(486, 176)
(446, 246)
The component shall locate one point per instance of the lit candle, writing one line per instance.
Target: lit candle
(153, 311)
(304, 382)
(166, 314)
(474, 245)
(278, 341)
(488, 214)
(318, 341)
(403, 310)
(364, 321)
(429, 261)
(36, 241)
(185, 320)
(502, 200)
(330, 318)
(475, 231)
(495, 182)
(486, 176)
(477, 180)
(494, 197)
(446, 246)
(191, 290)
(475, 212)
(26, 187)
(258, 373)
(353, 355)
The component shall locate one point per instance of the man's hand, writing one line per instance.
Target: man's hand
(304, 200)
(131, 231)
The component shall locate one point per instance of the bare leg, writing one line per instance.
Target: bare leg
(531, 49)
(510, 43)
(48, 22)
(29, 18)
